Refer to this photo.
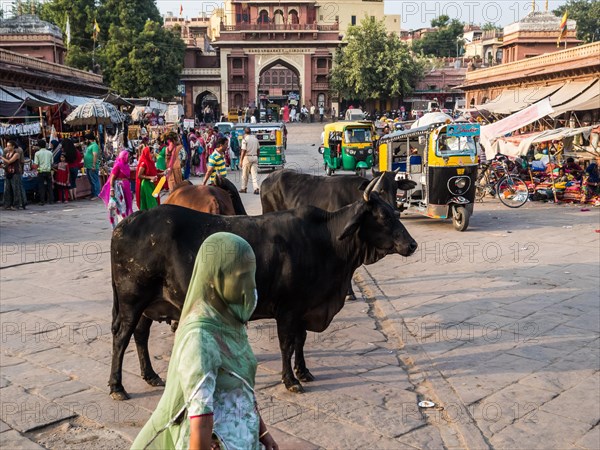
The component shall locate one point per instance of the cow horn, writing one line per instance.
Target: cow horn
(373, 185)
(397, 170)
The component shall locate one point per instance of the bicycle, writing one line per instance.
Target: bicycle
(497, 179)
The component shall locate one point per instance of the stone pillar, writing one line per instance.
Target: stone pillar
(253, 72)
(307, 85)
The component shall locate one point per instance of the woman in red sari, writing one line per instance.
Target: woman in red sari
(146, 178)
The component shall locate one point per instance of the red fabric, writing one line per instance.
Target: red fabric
(61, 176)
(149, 170)
(201, 415)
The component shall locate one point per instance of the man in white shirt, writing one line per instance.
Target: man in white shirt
(249, 159)
(312, 113)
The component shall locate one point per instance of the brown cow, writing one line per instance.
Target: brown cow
(222, 199)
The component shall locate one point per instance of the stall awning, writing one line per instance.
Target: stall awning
(518, 145)
(569, 91)
(24, 96)
(514, 100)
(589, 99)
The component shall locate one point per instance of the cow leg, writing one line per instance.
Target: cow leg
(299, 363)
(350, 293)
(122, 332)
(141, 336)
(287, 339)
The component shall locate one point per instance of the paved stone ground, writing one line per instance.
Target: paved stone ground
(499, 326)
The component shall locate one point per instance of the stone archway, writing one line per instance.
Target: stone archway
(204, 99)
(279, 79)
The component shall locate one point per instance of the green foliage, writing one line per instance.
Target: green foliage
(137, 56)
(373, 64)
(443, 41)
(587, 15)
(143, 64)
(490, 26)
(81, 15)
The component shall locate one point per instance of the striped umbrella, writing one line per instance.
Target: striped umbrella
(95, 112)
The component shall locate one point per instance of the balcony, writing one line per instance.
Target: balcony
(237, 87)
(320, 86)
(201, 72)
(271, 27)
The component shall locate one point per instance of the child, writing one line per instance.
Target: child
(61, 179)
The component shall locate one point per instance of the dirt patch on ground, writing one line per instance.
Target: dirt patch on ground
(78, 433)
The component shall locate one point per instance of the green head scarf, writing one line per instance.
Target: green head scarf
(222, 288)
(211, 335)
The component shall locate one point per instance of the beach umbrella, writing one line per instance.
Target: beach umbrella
(95, 112)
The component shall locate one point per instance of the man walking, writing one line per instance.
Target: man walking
(91, 162)
(321, 112)
(249, 159)
(42, 161)
(312, 113)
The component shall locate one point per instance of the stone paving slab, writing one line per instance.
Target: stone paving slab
(451, 324)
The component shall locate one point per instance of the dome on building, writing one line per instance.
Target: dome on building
(538, 21)
(28, 24)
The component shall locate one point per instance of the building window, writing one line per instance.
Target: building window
(237, 79)
(321, 100)
(321, 79)
(237, 63)
(353, 20)
(238, 100)
(263, 17)
(293, 17)
(278, 17)
(321, 63)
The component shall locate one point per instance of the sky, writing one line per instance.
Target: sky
(414, 13)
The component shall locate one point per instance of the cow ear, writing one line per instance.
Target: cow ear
(363, 185)
(352, 226)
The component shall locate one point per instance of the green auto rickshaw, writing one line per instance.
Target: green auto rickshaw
(347, 146)
(272, 138)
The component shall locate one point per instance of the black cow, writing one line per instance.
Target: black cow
(305, 259)
(289, 189)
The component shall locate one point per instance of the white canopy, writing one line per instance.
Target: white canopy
(588, 99)
(519, 145)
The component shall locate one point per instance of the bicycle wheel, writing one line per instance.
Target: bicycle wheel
(481, 186)
(512, 191)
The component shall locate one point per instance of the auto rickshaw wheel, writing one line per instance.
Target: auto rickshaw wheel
(362, 173)
(460, 218)
(328, 171)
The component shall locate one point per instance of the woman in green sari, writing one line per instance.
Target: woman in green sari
(145, 181)
(209, 397)
(161, 161)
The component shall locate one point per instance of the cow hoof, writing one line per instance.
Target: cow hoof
(120, 395)
(305, 376)
(295, 388)
(155, 381)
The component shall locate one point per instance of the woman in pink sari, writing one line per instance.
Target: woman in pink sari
(116, 193)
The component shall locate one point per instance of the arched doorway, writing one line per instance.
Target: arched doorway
(278, 85)
(207, 107)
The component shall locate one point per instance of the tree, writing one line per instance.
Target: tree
(587, 15)
(490, 26)
(374, 64)
(81, 15)
(442, 42)
(145, 64)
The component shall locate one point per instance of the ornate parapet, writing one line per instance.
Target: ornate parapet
(582, 57)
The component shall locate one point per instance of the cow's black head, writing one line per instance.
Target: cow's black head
(378, 226)
(388, 186)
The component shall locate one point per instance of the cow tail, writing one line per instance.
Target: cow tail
(116, 322)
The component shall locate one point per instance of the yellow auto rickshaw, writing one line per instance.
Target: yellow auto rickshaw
(442, 159)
